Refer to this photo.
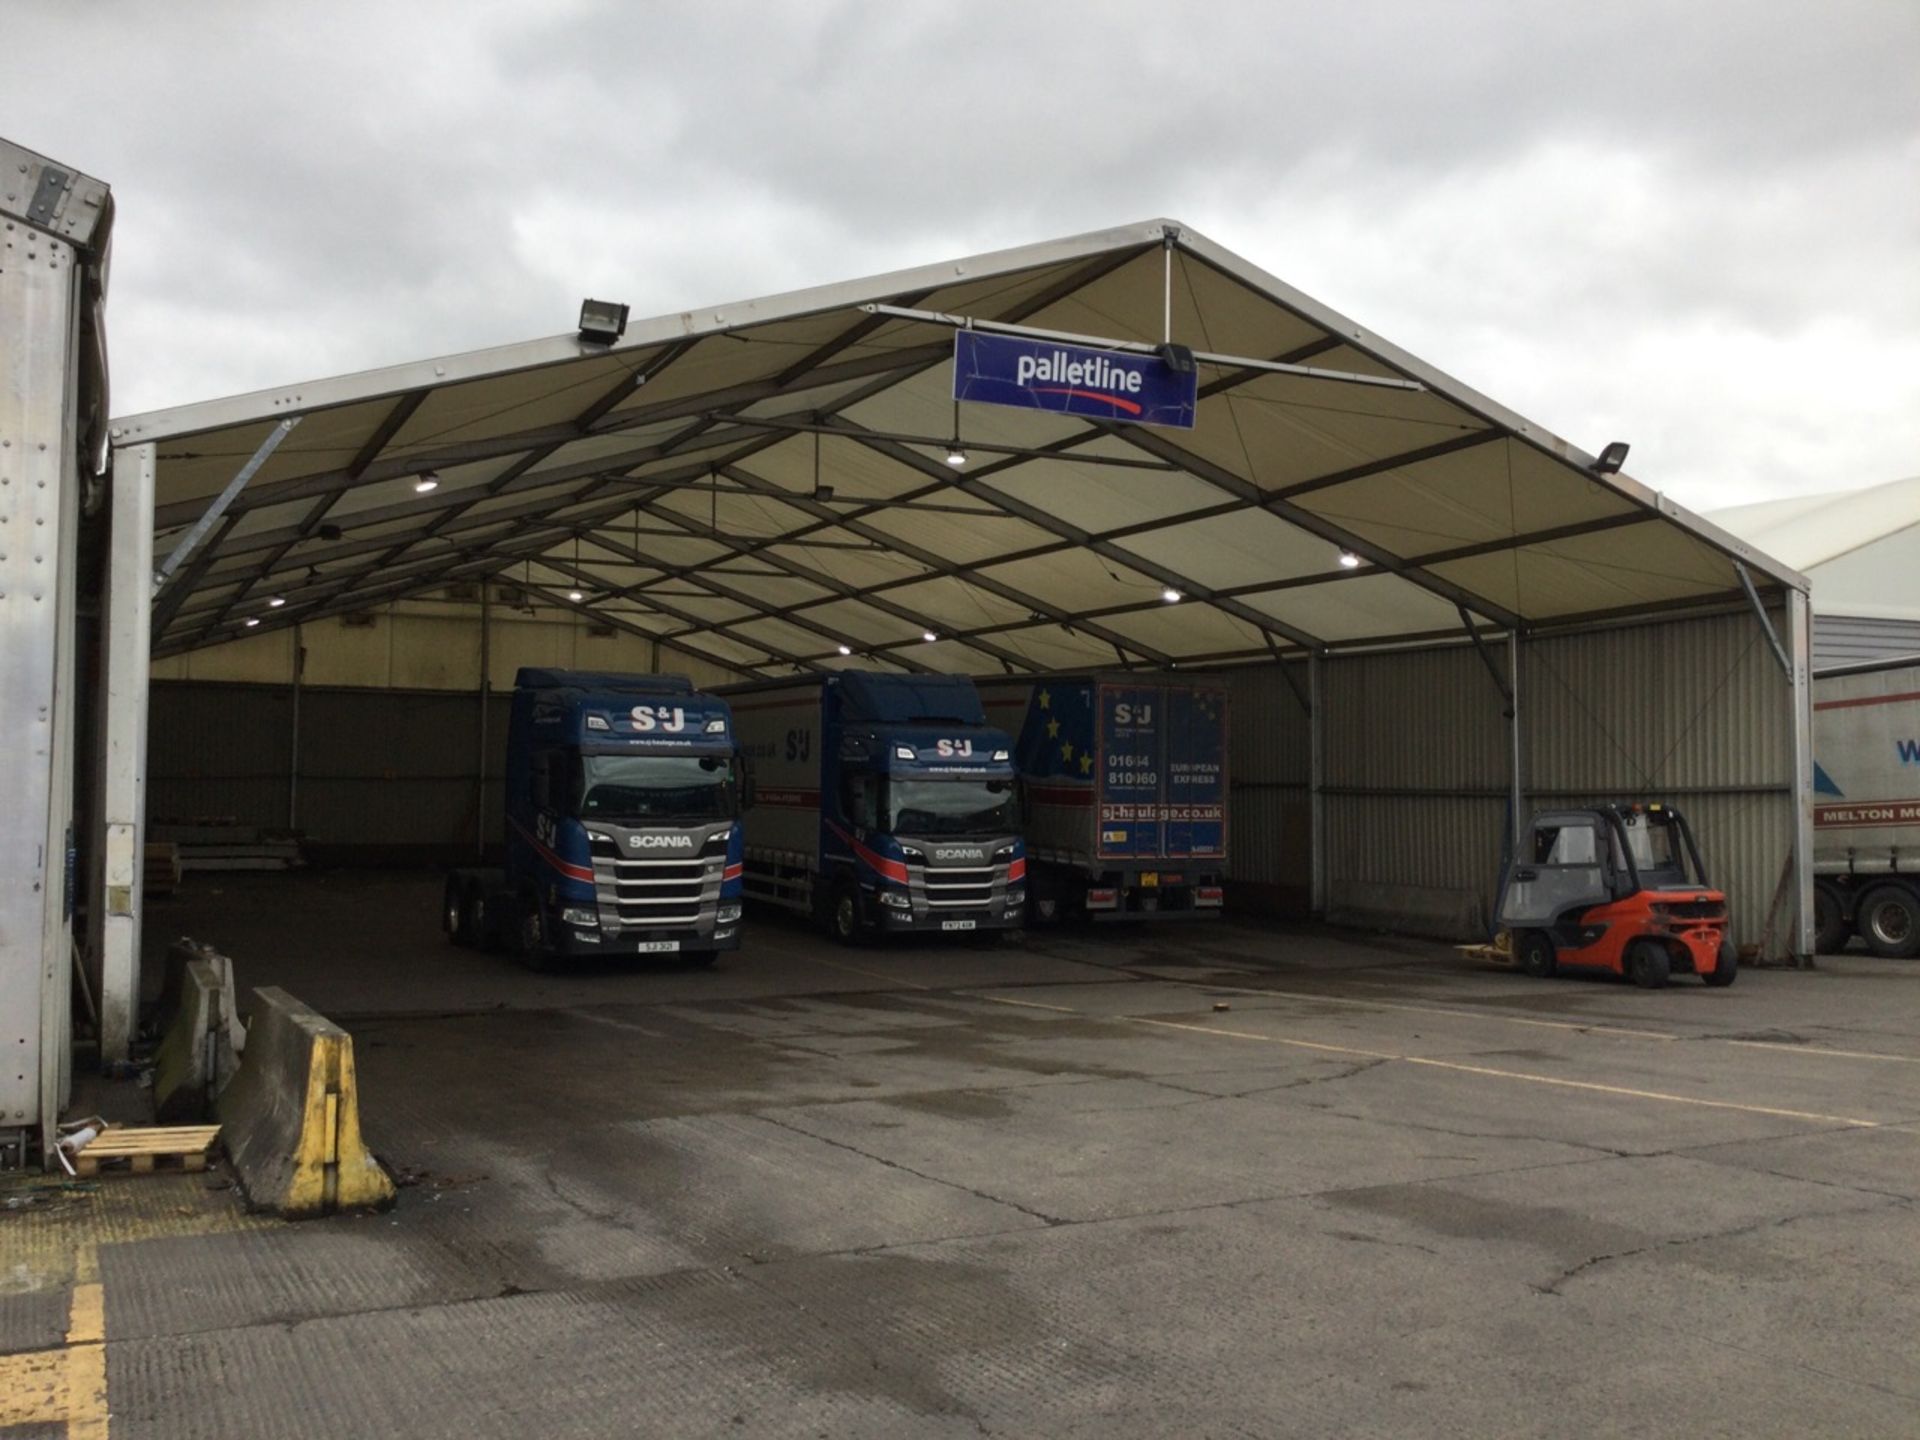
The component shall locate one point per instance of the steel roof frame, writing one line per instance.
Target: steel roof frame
(573, 501)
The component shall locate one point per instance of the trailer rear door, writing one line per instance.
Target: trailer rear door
(1161, 762)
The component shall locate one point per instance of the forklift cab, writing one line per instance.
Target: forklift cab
(1570, 860)
(1618, 887)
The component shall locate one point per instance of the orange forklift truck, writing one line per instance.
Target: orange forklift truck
(1616, 890)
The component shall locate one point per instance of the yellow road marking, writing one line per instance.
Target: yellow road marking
(1823, 1050)
(1522, 1075)
(68, 1385)
(870, 974)
(1031, 1004)
(1594, 1027)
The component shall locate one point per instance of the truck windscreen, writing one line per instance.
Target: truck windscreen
(950, 807)
(656, 787)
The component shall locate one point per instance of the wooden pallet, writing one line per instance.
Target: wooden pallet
(139, 1148)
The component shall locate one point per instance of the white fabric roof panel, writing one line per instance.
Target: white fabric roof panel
(679, 465)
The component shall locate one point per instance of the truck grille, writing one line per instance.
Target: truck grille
(646, 892)
(968, 887)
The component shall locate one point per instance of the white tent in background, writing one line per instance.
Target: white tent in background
(1861, 549)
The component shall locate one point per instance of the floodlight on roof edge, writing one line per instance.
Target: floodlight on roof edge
(429, 480)
(956, 457)
(602, 321)
(1611, 458)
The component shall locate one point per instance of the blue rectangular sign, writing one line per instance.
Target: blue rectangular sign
(1117, 385)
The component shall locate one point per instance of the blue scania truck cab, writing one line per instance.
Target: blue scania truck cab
(881, 804)
(622, 824)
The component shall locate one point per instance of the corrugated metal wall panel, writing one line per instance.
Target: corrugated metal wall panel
(1269, 847)
(218, 752)
(1694, 712)
(1850, 639)
(1416, 779)
(381, 771)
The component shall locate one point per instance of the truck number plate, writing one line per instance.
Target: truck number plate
(957, 924)
(656, 947)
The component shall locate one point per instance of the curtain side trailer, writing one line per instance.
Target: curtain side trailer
(1866, 807)
(1124, 789)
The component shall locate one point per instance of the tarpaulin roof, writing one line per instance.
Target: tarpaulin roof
(765, 483)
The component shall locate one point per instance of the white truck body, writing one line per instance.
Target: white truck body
(1866, 805)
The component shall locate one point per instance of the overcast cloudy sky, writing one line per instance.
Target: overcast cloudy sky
(1693, 226)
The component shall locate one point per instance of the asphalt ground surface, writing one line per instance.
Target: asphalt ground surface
(1189, 1180)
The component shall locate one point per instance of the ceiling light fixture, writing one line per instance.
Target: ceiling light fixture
(928, 636)
(1171, 595)
(252, 620)
(428, 480)
(576, 596)
(1349, 560)
(276, 602)
(846, 649)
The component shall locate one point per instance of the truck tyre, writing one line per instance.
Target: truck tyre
(1648, 964)
(533, 936)
(1533, 953)
(454, 917)
(1726, 967)
(1830, 928)
(483, 931)
(843, 914)
(1890, 922)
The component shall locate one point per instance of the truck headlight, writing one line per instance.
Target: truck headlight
(728, 912)
(575, 915)
(1016, 898)
(896, 899)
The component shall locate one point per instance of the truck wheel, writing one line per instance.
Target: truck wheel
(453, 913)
(1830, 928)
(1890, 923)
(1533, 953)
(843, 914)
(1726, 967)
(1648, 964)
(533, 936)
(482, 932)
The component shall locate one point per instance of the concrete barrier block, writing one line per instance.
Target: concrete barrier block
(195, 1059)
(291, 1118)
(182, 953)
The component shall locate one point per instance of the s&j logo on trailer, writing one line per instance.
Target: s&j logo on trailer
(1121, 385)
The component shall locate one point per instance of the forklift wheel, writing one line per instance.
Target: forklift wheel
(1648, 964)
(1726, 967)
(1533, 953)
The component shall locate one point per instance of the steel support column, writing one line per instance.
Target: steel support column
(121, 803)
(1317, 783)
(1800, 674)
(1517, 799)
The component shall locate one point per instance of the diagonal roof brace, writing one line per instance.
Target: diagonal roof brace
(221, 501)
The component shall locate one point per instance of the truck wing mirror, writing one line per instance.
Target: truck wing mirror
(744, 771)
